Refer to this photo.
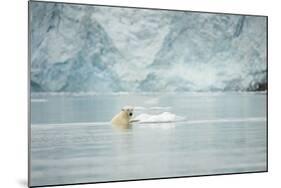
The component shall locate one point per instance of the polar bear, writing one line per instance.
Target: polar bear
(124, 118)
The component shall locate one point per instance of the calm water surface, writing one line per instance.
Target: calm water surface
(72, 140)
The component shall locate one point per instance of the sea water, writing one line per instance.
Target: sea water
(72, 140)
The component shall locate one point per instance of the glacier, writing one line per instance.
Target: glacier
(79, 48)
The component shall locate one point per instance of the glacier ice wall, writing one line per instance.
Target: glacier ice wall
(77, 48)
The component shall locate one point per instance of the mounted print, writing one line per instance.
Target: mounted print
(122, 93)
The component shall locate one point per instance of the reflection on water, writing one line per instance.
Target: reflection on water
(72, 140)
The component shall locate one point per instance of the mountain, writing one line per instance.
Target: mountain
(70, 51)
(211, 52)
(78, 48)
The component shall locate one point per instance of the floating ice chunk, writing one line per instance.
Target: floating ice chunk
(160, 118)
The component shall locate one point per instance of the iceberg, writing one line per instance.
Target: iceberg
(165, 117)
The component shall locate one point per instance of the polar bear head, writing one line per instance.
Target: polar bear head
(129, 110)
(123, 118)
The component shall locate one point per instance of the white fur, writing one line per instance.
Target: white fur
(123, 118)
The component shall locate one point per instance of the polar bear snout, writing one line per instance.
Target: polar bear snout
(130, 114)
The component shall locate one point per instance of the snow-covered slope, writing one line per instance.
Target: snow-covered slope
(94, 48)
